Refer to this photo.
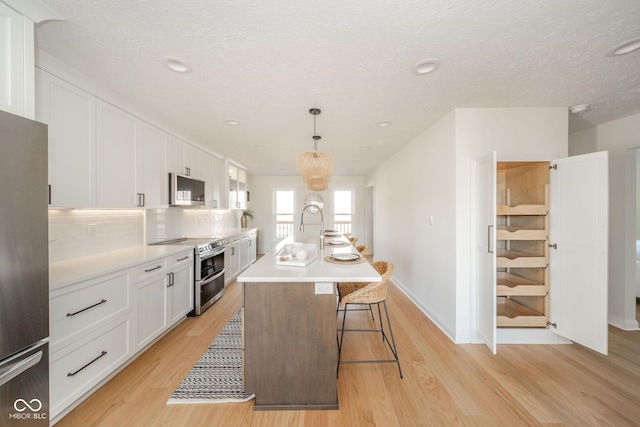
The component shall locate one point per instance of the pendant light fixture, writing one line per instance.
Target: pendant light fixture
(315, 166)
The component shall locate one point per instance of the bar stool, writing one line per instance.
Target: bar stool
(368, 294)
(363, 249)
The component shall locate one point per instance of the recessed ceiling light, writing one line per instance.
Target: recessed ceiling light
(260, 147)
(384, 124)
(365, 148)
(176, 64)
(624, 48)
(426, 66)
(579, 109)
(233, 122)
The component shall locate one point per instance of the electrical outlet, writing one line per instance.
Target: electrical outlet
(91, 229)
(324, 288)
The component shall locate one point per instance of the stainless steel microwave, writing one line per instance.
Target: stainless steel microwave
(185, 191)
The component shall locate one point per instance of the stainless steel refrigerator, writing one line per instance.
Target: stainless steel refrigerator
(24, 273)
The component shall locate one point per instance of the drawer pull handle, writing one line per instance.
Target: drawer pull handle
(182, 259)
(104, 353)
(102, 301)
(152, 269)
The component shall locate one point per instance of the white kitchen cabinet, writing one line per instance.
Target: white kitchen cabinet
(244, 252)
(237, 187)
(16, 62)
(90, 325)
(175, 155)
(70, 114)
(76, 369)
(80, 307)
(542, 249)
(150, 314)
(218, 183)
(253, 247)
(116, 169)
(180, 298)
(182, 157)
(232, 259)
(151, 173)
(163, 296)
(191, 161)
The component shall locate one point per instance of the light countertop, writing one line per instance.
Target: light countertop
(266, 268)
(71, 271)
(64, 273)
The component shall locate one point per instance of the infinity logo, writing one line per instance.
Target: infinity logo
(21, 405)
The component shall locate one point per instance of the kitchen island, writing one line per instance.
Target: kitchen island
(290, 345)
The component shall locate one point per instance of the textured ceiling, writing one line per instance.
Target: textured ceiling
(264, 63)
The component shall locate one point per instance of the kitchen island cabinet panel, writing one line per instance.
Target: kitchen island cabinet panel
(292, 357)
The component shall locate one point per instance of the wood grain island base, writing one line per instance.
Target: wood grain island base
(291, 358)
(290, 344)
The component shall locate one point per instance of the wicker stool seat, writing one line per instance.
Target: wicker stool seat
(363, 249)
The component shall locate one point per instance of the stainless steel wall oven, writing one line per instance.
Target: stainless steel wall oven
(209, 274)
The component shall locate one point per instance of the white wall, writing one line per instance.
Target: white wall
(419, 181)
(435, 175)
(620, 138)
(262, 203)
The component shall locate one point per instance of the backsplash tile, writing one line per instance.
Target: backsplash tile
(76, 233)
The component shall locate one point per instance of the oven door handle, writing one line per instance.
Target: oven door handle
(211, 255)
(211, 278)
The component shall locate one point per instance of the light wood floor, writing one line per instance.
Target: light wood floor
(444, 384)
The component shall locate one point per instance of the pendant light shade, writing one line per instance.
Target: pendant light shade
(315, 166)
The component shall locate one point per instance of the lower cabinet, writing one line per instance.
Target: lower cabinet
(150, 301)
(180, 296)
(99, 324)
(77, 368)
(240, 253)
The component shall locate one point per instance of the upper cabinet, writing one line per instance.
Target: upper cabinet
(116, 170)
(103, 157)
(182, 158)
(237, 187)
(16, 62)
(70, 114)
(151, 172)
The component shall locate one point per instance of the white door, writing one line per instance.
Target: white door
(579, 264)
(485, 248)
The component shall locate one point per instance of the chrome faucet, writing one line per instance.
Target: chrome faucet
(321, 218)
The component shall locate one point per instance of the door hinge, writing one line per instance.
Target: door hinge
(553, 246)
(554, 167)
(555, 326)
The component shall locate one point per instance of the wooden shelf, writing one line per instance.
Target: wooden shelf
(505, 232)
(510, 284)
(522, 210)
(512, 314)
(514, 259)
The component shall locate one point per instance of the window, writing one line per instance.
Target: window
(342, 211)
(284, 213)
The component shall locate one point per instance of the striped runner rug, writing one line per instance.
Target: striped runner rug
(217, 376)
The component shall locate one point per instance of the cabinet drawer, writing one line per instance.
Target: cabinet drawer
(73, 372)
(150, 269)
(86, 304)
(181, 259)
